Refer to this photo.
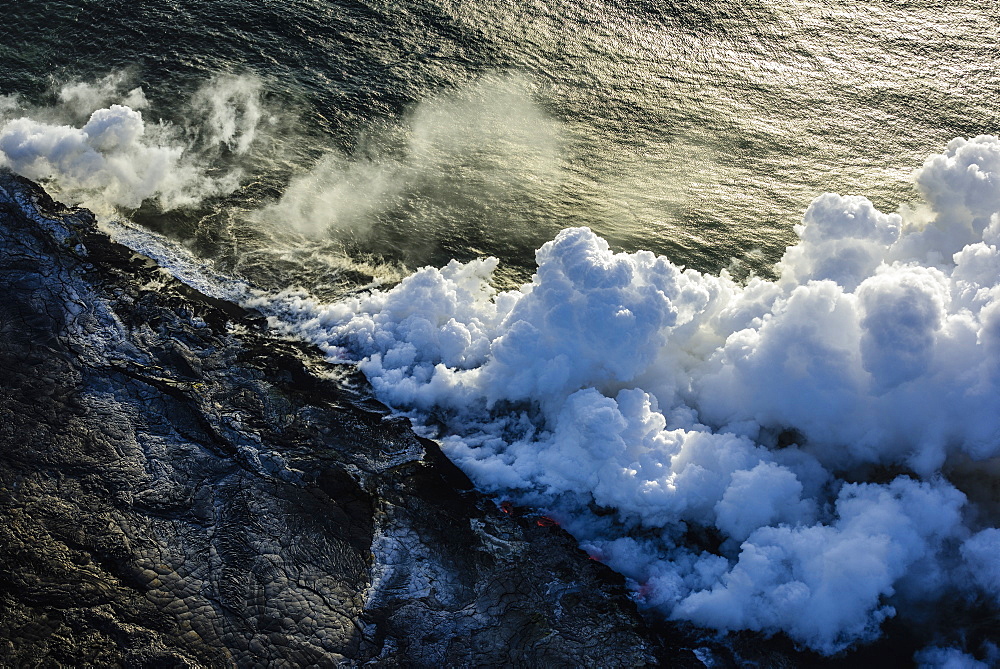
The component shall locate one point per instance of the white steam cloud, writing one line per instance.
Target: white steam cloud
(82, 98)
(642, 404)
(652, 410)
(116, 157)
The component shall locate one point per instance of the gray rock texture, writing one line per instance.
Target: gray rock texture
(181, 488)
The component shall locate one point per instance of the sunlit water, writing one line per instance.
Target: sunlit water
(698, 130)
(839, 415)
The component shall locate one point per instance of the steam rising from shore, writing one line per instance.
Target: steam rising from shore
(784, 456)
(810, 424)
(95, 146)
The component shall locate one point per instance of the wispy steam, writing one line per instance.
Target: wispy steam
(227, 112)
(489, 139)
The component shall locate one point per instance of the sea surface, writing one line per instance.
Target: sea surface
(550, 234)
(697, 130)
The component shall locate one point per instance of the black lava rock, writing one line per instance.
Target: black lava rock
(179, 487)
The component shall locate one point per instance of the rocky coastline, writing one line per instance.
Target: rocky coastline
(182, 488)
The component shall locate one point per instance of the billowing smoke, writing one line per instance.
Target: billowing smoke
(94, 145)
(781, 456)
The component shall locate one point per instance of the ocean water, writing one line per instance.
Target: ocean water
(698, 130)
(786, 429)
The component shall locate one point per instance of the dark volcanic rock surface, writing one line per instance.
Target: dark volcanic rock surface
(178, 488)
